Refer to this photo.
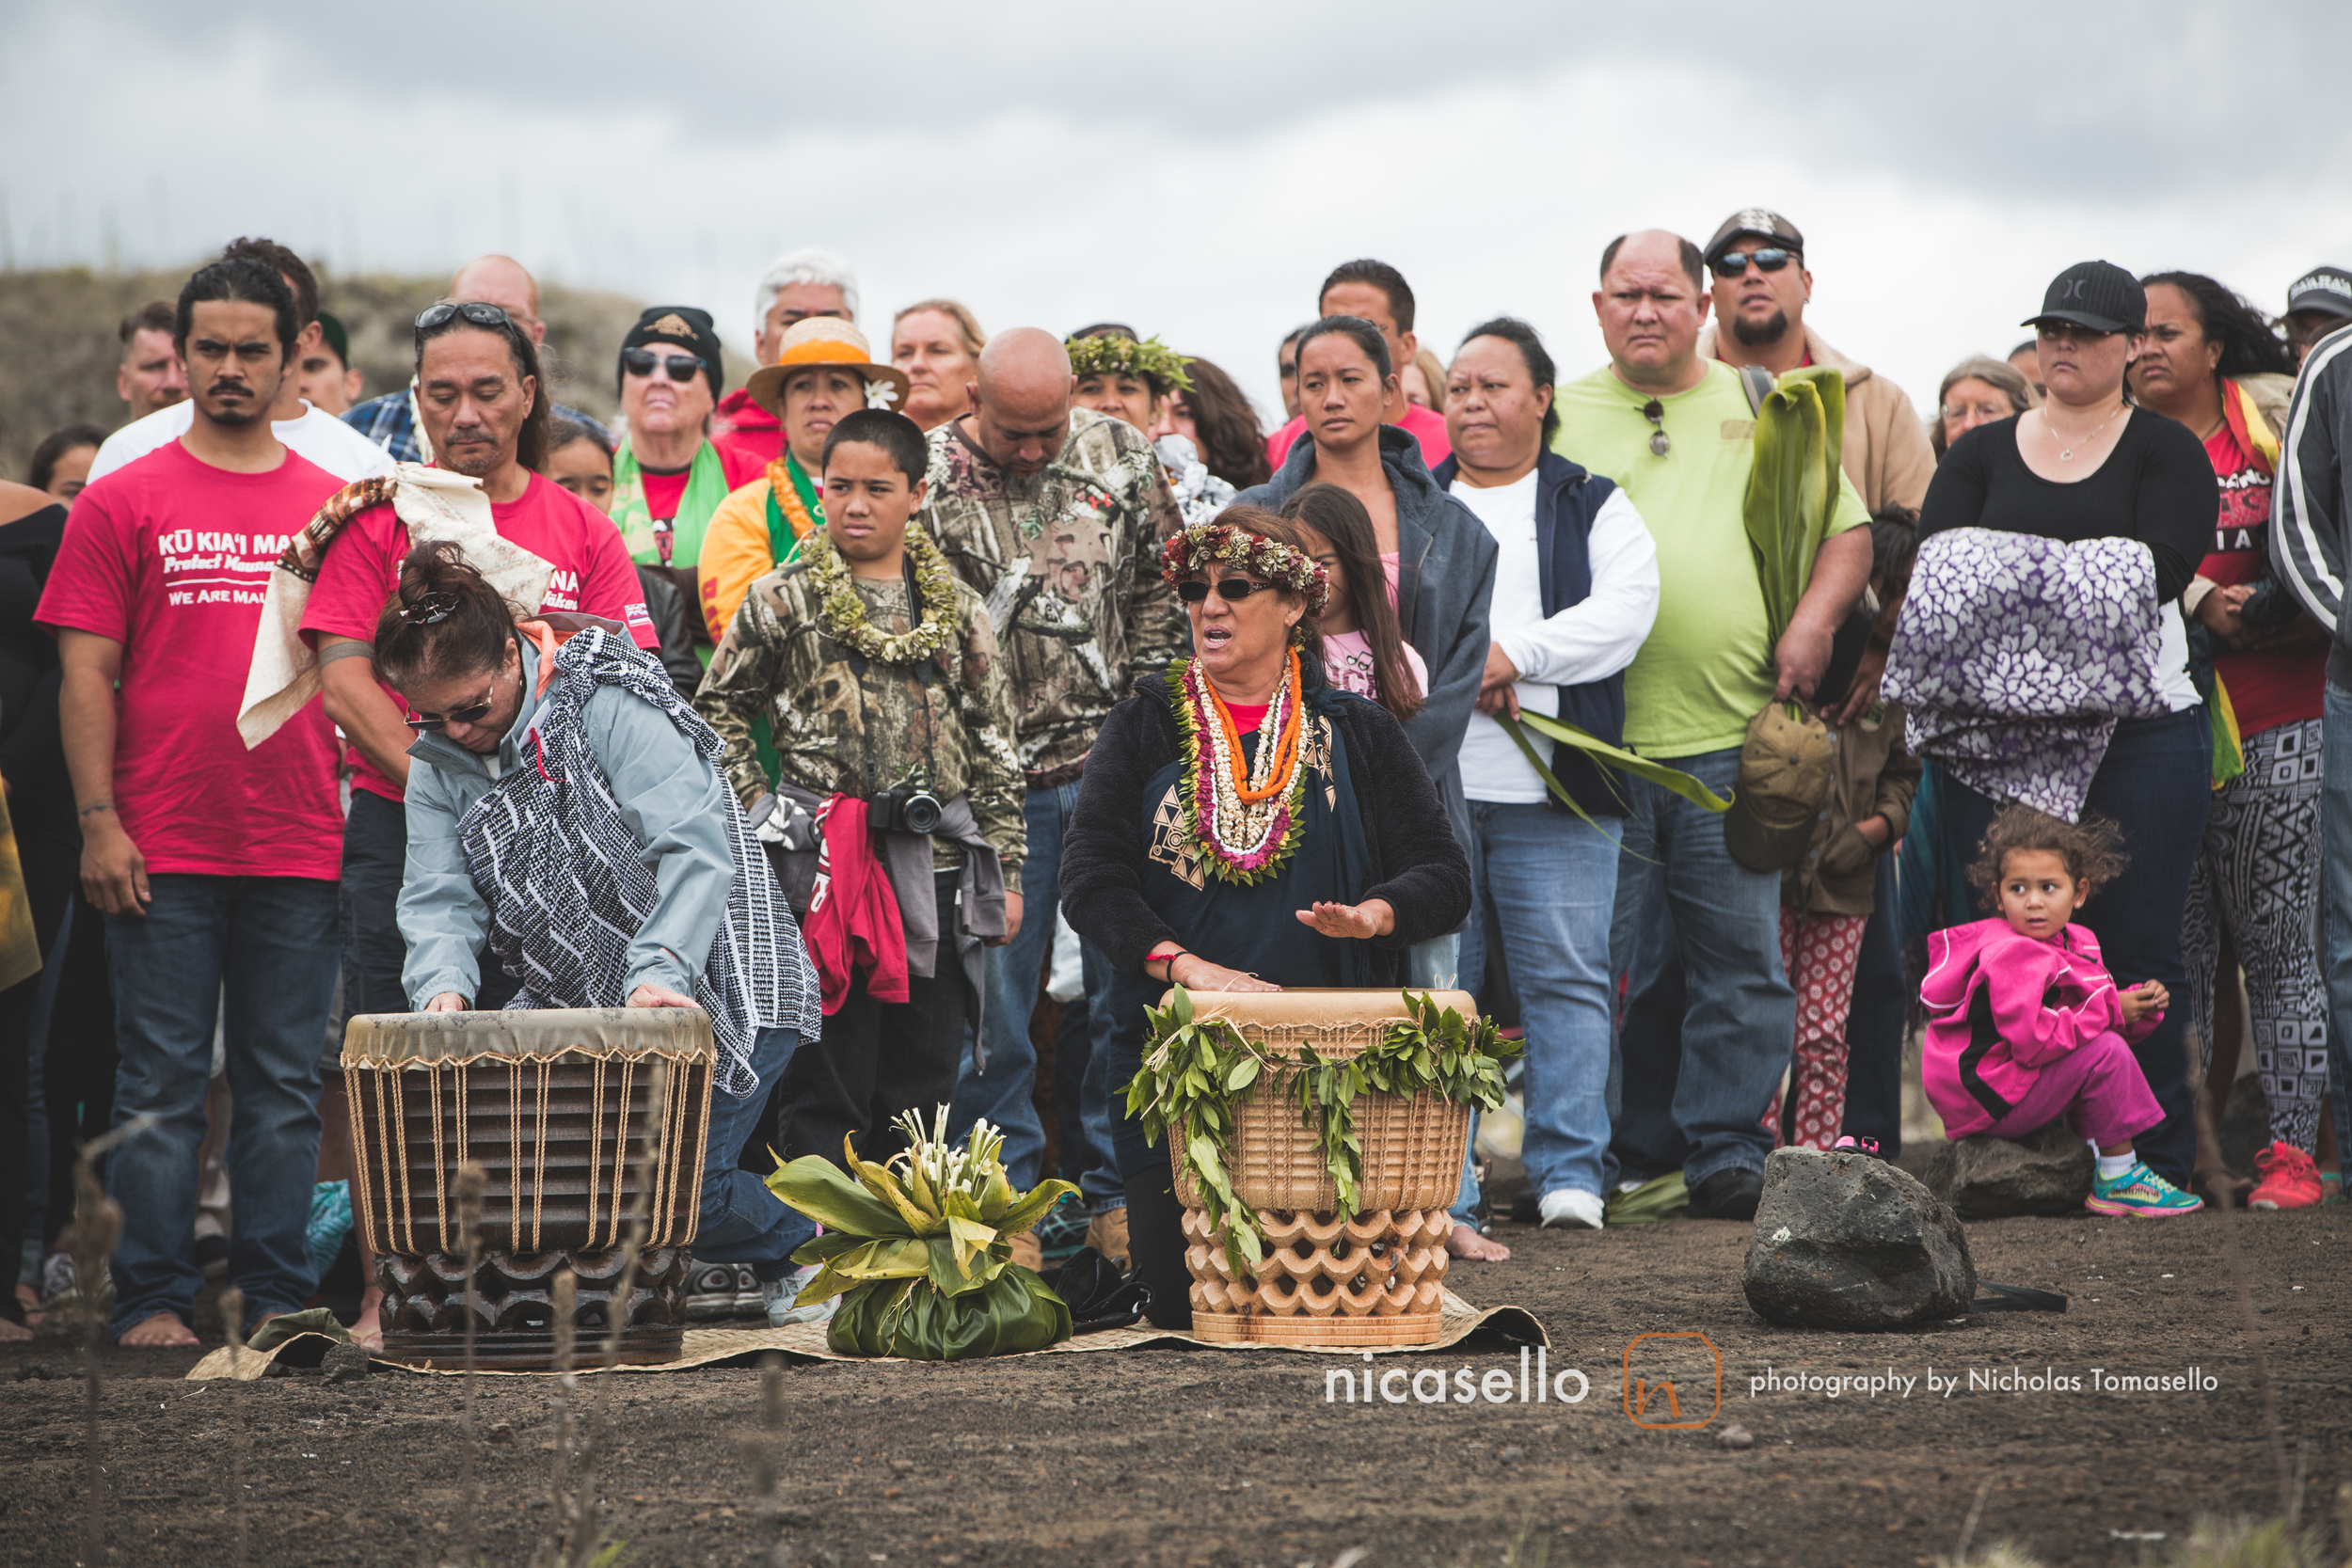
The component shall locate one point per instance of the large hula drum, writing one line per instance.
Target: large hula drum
(1378, 1278)
(557, 1108)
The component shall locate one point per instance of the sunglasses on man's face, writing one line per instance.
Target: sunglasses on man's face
(641, 361)
(472, 715)
(1769, 259)
(1231, 590)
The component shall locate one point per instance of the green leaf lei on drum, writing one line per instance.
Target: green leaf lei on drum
(1194, 1071)
(843, 613)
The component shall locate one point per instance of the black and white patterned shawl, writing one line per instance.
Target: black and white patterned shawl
(568, 890)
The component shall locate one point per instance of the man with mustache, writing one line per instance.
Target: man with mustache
(214, 863)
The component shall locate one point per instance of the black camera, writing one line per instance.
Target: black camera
(903, 810)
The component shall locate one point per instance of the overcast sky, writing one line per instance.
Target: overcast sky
(1195, 170)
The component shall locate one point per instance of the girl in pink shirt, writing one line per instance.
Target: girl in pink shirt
(2024, 1024)
(1363, 651)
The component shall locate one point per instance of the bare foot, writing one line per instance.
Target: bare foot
(10, 1330)
(163, 1330)
(368, 1328)
(1468, 1242)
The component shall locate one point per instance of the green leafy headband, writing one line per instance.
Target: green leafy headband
(1152, 360)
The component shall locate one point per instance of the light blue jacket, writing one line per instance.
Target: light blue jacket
(673, 799)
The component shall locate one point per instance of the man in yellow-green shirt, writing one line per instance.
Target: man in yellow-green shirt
(1709, 1018)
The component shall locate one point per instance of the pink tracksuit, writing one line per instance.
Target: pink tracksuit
(2022, 1031)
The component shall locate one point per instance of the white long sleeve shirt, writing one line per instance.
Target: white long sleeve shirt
(1585, 641)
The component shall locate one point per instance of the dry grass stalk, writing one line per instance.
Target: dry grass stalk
(469, 1184)
(2290, 1492)
(760, 1454)
(90, 1239)
(232, 1319)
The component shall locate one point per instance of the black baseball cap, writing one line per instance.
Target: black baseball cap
(2097, 294)
(2328, 289)
(1752, 222)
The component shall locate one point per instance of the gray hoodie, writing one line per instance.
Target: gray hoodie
(1445, 584)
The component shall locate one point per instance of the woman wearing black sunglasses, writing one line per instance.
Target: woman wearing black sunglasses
(1246, 825)
(568, 823)
(669, 477)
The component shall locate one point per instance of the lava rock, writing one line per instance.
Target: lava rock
(1846, 1241)
(345, 1363)
(501, 1434)
(34, 1371)
(1985, 1178)
(1734, 1436)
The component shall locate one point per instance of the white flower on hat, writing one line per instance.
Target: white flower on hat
(879, 393)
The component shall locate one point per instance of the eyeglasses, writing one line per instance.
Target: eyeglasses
(1955, 412)
(641, 361)
(473, 310)
(1655, 412)
(1768, 259)
(473, 714)
(1231, 590)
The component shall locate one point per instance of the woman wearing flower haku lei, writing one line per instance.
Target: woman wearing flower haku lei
(1246, 826)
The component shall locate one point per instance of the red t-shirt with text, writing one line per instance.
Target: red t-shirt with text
(592, 575)
(170, 557)
(2266, 689)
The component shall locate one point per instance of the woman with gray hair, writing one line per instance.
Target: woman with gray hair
(797, 285)
(1977, 390)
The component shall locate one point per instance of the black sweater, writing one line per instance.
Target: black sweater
(2157, 486)
(1417, 866)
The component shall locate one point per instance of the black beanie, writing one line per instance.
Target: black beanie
(685, 326)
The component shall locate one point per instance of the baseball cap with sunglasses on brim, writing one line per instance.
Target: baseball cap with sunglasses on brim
(1755, 223)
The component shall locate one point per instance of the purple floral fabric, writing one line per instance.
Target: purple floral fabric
(2015, 655)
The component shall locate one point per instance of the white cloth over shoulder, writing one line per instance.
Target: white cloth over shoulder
(436, 504)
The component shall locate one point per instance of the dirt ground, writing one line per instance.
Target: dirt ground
(1236, 1459)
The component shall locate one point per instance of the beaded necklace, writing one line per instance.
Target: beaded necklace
(1244, 815)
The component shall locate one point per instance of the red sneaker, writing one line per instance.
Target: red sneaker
(2289, 1179)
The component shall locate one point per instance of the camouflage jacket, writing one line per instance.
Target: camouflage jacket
(1068, 561)
(847, 724)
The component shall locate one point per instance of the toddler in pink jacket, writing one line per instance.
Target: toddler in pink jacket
(2024, 1024)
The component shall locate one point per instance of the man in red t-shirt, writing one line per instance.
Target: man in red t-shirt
(478, 393)
(213, 866)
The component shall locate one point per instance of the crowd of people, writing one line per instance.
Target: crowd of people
(917, 686)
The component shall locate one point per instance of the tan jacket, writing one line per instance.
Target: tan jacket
(1886, 452)
(1876, 776)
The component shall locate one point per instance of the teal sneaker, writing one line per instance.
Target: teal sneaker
(1661, 1197)
(2141, 1194)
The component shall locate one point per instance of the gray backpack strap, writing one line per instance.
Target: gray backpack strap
(1757, 382)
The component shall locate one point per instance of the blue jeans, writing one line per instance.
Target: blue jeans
(2155, 782)
(1551, 880)
(1003, 1090)
(1708, 1022)
(2336, 923)
(743, 1221)
(259, 953)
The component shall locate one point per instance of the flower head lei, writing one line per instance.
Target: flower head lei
(843, 613)
(1271, 560)
(1152, 360)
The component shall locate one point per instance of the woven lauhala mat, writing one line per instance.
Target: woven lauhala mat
(705, 1347)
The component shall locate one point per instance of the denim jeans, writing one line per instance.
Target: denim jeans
(2155, 785)
(2336, 918)
(259, 953)
(1709, 1021)
(1003, 1090)
(1551, 880)
(743, 1221)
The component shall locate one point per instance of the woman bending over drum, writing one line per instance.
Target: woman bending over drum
(1246, 825)
(568, 814)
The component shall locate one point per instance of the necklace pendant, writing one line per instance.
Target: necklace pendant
(2067, 456)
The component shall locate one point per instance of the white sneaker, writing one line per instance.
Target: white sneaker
(1569, 1209)
(778, 1295)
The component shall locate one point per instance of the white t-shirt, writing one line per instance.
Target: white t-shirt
(1585, 641)
(317, 437)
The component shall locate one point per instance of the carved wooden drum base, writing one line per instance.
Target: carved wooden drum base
(424, 1309)
(1376, 1280)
